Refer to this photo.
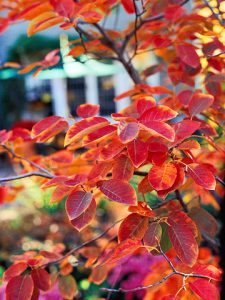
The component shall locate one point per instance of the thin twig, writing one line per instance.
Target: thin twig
(27, 160)
(75, 249)
(181, 201)
(216, 16)
(25, 175)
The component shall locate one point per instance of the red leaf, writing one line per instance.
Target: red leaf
(118, 191)
(177, 183)
(64, 8)
(77, 203)
(138, 152)
(122, 168)
(48, 127)
(162, 177)
(158, 128)
(99, 135)
(184, 130)
(128, 6)
(208, 270)
(204, 289)
(127, 132)
(153, 235)
(111, 150)
(133, 227)
(4, 24)
(122, 250)
(41, 278)
(77, 131)
(87, 110)
(157, 113)
(145, 104)
(100, 170)
(20, 288)
(142, 209)
(188, 145)
(202, 176)
(184, 97)
(144, 186)
(182, 232)
(188, 55)
(86, 217)
(67, 287)
(199, 102)
(14, 270)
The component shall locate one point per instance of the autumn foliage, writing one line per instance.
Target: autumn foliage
(167, 145)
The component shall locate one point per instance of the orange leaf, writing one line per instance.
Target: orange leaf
(67, 287)
(87, 110)
(43, 21)
(158, 128)
(133, 227)
(158, 113)
(122, 168)
(118, 191)
(202, 176)
(81, 128)
(162, 177)
(122, 250)
(48, 127)
(182, 232)
(76, 51)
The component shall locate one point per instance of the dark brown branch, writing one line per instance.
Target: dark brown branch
(144, 21)
(27, 160)
(181, 201)
(163, 279)
(75, 249)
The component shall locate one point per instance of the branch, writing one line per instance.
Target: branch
(144, 21)
(163, 279)
(180, 199)
(75, 249)
(21, 176)
(27, 160)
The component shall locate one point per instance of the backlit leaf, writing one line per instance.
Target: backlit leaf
(14, 270)
(41, 278)
(134, 226)
(188, 55)
(185, 129)
(81, 128)
(77, 203)
(153, 235)
(199, 102)
(189, 145)
(128, 6)
(67, 287)
(138, 152)
(87, 110)
(204, 289)
(202, 176)
(47, 128)
(123, 249)
(127, 131)
(162, 177)
(182, 232)
(64, 8)
(118, 191)
(20, 288)
(208, 270)
(158, 113)
(122, 168)
(86, 217)
(158, 128)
